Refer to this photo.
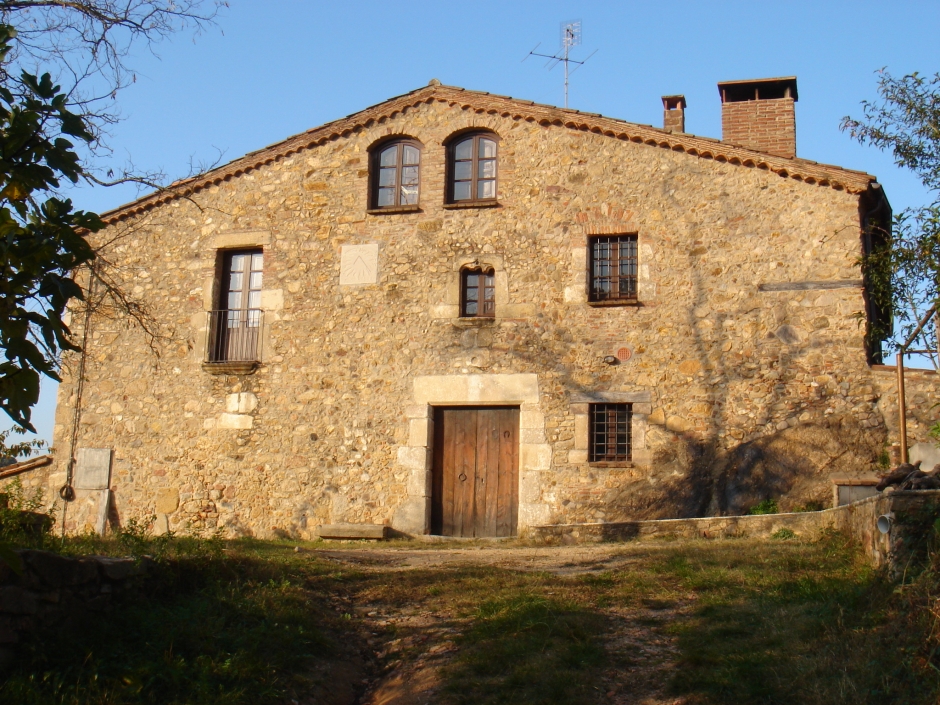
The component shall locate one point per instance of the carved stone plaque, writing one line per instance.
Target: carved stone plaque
(359, 264)
(93, 469)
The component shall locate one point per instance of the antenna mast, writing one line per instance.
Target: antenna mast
(570, 37)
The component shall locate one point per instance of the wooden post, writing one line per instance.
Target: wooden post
(902, 411)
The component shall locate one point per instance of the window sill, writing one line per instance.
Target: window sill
(474, 321)
(612, 464)
(390, 210)
(231, 368)
(471, 204)
(614, 302)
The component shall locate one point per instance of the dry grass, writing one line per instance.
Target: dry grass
(739, 621)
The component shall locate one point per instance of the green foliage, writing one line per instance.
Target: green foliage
(20, 449)
(767, 506)
(22, 521)
(42, 238)
(22, 524)
(903, 268)
(783, 534)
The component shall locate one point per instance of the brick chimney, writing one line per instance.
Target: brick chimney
(760, 114)
(674, 113)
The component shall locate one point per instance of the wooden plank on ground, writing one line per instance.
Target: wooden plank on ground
(352, 531)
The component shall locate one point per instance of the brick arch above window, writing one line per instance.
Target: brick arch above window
(395, 175)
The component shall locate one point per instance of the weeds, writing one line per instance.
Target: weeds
(768, 506)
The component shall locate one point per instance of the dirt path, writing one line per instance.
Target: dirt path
(426, 641)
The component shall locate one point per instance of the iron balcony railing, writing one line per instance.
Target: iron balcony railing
(235, 335)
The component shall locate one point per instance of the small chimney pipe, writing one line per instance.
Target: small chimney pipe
(674, 113)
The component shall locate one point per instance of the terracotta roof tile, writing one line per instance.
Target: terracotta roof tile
(704, 147)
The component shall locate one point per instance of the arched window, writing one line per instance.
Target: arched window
(477, 293)
(396, 174)
(472, 169)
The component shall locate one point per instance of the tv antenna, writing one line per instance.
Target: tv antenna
(570, 37)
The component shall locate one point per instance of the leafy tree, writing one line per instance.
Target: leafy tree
(52, 130)
(904, 274)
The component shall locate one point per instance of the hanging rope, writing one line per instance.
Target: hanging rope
(67, 492)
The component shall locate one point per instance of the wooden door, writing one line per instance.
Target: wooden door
(475, 479)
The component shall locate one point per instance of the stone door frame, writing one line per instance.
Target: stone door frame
(416, 458)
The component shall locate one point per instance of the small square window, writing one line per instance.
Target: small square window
(611, 434)
(613, 268)
(477, 293)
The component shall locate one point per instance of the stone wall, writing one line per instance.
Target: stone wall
(744, 386)
(53, 589)
(892, 550)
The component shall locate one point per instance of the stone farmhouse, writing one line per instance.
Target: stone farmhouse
(465, 314)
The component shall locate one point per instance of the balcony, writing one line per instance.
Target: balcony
(233, 341)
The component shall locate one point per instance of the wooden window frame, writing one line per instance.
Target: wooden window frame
(375, 169)
(449, 200)
(486, 306)
(599, 429)
(235, 332)
(226, 270)
(598, 297)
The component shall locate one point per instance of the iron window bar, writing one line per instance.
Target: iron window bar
(611, 433)
(614, 268)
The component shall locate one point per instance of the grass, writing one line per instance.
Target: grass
(209, 629)
(255, 622)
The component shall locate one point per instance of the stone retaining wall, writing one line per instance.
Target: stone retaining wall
(858, 519)
(54, 589)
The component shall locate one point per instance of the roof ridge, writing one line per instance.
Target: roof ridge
(704, 147)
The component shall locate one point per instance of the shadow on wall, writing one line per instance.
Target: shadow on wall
(748, 442)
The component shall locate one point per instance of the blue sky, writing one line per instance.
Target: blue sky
(273, 68)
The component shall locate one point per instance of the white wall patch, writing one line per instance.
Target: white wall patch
(359, 264)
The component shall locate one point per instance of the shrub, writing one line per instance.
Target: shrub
(768, 506)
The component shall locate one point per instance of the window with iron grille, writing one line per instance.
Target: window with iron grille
(472, 169)
(613, 268)
(396, 174)
(611, 435)
(477, 293)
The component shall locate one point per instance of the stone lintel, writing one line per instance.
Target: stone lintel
(611, 397)
(418, 411)
(480, 389)
(241, 238)
(811, 285)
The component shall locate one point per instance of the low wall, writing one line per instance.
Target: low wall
(857, 519)
(54, 588)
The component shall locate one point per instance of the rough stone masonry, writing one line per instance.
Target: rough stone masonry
(744, 356)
